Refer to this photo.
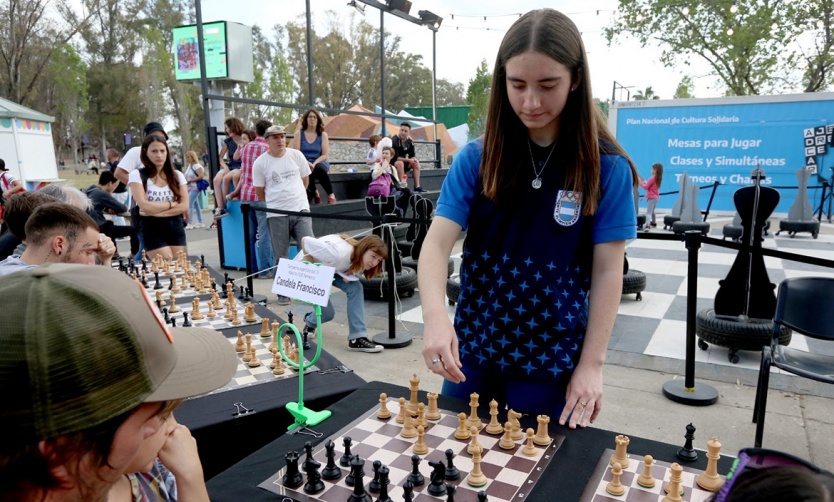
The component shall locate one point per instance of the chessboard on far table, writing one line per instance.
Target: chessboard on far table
(218, 322)
(595, 490)
(511, 475)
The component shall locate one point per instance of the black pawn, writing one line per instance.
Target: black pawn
(383, 485)
(452, 472)
(308, 449)
(144, 281)
(408, 491)
(292, 478)
(242, 294)
(688, 453)
(159, 305)
(314, 483)
(437, 487)
(482, 496)
(356, 469)
(373, 486)
(203, 261)
(157, 284)
(173, 322)
(345, 460)
(415, 477)
(186, 322)
(247, 295)
(171, 283)
(331, 471)
(450, 492)
(166, 317)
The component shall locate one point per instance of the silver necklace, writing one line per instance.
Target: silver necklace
(537, 183)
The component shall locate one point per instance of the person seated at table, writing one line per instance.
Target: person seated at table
(405, 156)
(313, 142)
(60, 233)
(761, 475)
(86, 371)
(350, 258)
(101, 196)
(167, 467)
(18, 209)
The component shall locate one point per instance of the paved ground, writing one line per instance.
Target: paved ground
(798, 423)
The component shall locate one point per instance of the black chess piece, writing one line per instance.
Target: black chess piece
(171, 283)
(482, 496)
(383, 485)
(247, 294)
(450, 492)
(345, 460)
(186, 322)
(159, 305)
(292, 478)
(314, 483)
(166, 317)
(415, 477)
(438, 484)
(350, 479)
(173, 322)
(331, 471)
(157, 285)
(203, 261)
(688, 453)
(144, 265)
(408, 491)
(452, 472)
(373, 486)
(308, 449)
(356, 469)
(242, 294)
(144, 281)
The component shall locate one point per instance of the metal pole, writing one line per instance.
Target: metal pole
(382, 69)
(198, 12)
(614, 91)
(434, 81)
(309, 55)
(247, 249)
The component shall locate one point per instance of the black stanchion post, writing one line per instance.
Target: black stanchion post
(392, 339)
(685, 392)
(244, 209)
(711, 198)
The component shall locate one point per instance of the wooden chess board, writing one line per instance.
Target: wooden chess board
(219, 322)
(511, 474)
(595, 491)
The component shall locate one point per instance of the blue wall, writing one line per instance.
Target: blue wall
(725, 142)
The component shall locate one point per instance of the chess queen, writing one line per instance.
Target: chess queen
(350, 258)
(545, 197)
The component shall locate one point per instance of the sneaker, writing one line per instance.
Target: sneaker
(364, 345)
(419, 189)
(646, 228)
(189, 227)
(220, 213)
(212, 226)
(331, 198)
(284, 300)
(654, 224)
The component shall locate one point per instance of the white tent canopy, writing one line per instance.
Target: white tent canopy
(26, 143)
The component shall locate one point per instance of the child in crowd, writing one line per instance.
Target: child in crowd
(652, 188)
(374, 156)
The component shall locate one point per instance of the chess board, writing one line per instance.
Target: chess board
(511, 474)
(219, 322)
(246, 375)
(595, 491)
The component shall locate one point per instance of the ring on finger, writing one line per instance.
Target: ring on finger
(435, 360)
(583, 405)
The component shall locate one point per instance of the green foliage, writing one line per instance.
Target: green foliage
(477, 96)
(449, 93)
(686, 88)
(646, 94)
(603, 107)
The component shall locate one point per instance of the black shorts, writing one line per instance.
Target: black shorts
(161, 232)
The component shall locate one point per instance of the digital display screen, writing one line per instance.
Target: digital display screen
(187, 53)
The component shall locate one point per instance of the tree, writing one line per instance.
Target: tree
(645, 95)
(65, 96)
(603, 107)
(686, 88)
(737, 38)
(477, 96)
(819, 57)
(449, 93)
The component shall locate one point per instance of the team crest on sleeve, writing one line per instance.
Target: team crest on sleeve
(568, 207)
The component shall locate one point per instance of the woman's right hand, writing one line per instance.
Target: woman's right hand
(440, 349)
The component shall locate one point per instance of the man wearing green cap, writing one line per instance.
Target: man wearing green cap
(87, 367)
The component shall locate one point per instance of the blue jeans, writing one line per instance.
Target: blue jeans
(259, 232)
(194, 206)
(355, 309)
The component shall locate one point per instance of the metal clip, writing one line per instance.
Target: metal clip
(306, 431)
(241, 410)
(338, 369)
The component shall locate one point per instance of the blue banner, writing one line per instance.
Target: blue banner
(725, 142)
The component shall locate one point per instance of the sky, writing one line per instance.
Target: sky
(465, 38)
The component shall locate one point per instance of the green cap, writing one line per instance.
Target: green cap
(83, 344)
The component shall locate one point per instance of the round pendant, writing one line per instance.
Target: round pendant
(537, 183)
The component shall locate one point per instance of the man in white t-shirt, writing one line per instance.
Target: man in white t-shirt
(280, 177)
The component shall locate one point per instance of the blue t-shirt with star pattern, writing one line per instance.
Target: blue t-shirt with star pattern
(526, 270)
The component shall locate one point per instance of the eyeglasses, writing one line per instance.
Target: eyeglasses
(760, 458)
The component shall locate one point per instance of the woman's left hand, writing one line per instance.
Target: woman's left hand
(583, 400)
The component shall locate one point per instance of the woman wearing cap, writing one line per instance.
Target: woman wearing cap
(315, 145)
(162, 197)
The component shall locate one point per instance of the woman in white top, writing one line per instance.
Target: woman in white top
(193, 174)
(350, 258)
(160, 192)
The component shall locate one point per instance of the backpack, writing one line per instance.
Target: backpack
(381, 186)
